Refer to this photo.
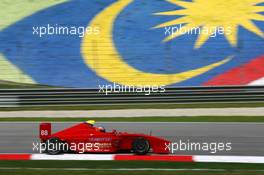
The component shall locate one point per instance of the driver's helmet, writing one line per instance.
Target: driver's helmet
(90, 122)
(101, 129)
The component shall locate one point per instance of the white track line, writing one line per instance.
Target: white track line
(72, 157)
(196, 123)
(196, 158)
(258, 111)
(229, 159)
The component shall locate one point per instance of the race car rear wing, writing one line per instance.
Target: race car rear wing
(44, 131)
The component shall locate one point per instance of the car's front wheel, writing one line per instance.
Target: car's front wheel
(54, 146)
(140, 146)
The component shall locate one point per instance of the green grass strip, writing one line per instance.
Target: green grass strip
(189, 168)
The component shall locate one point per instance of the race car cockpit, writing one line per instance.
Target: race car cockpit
(92, 122)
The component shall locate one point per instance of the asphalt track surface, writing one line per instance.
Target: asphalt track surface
(246, 138)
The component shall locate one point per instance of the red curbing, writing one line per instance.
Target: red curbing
(131, 157)
(15, 156)
(155, 158)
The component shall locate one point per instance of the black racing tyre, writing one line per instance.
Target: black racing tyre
(54, 146)
(140, 146)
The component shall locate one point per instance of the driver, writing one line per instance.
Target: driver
(101, 129)
(92, 122)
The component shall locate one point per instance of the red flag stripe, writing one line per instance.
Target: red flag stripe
(241, 75)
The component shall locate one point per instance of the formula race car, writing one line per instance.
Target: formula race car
(85, 137)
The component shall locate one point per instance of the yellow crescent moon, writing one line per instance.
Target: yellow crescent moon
(100, 54)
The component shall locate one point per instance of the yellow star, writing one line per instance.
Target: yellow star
(210, 14)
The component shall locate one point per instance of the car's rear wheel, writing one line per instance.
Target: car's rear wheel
(54, 146)
(140, 146)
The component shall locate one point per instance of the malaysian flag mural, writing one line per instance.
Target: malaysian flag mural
(81, 43)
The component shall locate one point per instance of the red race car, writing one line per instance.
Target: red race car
(85, 137)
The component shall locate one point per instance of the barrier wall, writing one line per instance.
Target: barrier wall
(132, 42)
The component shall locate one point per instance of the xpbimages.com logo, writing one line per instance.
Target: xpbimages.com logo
(64, 147)
(56, 29)
(210, 147)
(116, 88)
(210, 31)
